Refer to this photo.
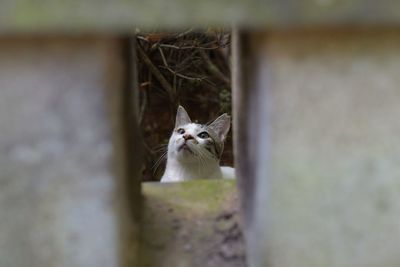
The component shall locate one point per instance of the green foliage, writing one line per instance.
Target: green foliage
(225, 100)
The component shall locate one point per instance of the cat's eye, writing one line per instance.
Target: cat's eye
(203, 135)
(181, 131)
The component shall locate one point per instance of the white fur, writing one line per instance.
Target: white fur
(198, 163)
(228, 172)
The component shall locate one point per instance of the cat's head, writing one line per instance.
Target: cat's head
(191, 142)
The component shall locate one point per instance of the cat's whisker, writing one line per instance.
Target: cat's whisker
(158, 162)
(202, 157)
(201, 162)
(161, 148)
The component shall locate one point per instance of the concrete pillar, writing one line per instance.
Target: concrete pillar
(63, 153)
(322, 128)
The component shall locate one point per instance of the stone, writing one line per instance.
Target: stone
(60, 112)
(326, 188)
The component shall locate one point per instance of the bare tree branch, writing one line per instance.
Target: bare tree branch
(213, 69)
(167, 67)
(158, 75)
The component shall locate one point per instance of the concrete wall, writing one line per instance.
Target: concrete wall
(55, 16)
(62, 154)
(316, 132)
(325, 144)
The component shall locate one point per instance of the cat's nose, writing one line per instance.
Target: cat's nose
(187, 137)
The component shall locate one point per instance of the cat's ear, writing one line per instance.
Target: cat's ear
(221, 126)
(182, 117)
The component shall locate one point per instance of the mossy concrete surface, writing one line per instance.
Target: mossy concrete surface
(327, 187)
(90, 16)
(59, 166)
(191, 223)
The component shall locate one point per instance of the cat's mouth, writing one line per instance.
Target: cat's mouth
(185, 147)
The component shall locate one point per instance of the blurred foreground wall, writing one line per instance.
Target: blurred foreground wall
(61, 151)
(316, 126)
(326, 154)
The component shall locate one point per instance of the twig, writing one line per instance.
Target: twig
(191, 47)
(142, 38)
(197, 79)
(184, 33)
(163, 57)
(144, 101)
(157, 74)
(186, 62)
(214, 69)
(174, 72)
(142, 106)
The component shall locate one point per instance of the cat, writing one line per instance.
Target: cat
(194, 150)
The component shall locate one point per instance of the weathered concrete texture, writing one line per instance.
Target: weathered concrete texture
(57, 180)
(330, 194)
(55, 16)
(193, 223)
